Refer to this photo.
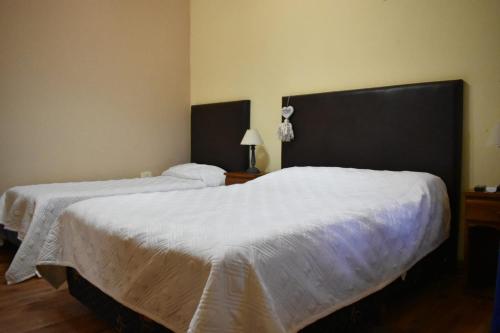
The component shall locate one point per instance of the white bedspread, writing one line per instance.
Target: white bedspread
(31, 210)
(271, 255)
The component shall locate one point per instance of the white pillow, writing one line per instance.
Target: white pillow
(208, 174)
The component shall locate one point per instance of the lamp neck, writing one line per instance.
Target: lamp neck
(252, 168)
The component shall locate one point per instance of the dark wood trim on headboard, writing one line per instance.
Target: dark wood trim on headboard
(216, 133)
(416, 127)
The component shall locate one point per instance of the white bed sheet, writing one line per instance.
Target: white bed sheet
(271, 255)
(31, 210)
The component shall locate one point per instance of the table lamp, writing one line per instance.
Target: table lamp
(252, 138)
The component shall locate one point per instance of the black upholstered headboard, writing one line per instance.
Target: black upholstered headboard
(216, 133)
(416, 127)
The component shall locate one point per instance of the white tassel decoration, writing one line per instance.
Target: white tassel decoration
(285, 130)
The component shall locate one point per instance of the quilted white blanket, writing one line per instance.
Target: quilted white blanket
(271, 255)
(31, 210)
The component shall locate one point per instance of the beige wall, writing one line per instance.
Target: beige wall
(92, 89)
(264, 49)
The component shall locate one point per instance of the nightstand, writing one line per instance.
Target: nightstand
(240, 177)
(481, 236)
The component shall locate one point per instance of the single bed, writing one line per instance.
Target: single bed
(280, 252)
(273, 255)
(30, 211)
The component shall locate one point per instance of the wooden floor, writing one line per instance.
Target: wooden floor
(443, 306)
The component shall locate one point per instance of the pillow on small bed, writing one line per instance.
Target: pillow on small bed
(209, 174)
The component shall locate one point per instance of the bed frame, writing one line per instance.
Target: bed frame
(415, 127)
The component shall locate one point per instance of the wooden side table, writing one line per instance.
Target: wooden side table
(481, 236)
(240, 177)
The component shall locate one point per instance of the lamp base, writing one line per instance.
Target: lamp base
(253, 170)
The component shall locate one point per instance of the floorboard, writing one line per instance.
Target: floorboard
(442, 306)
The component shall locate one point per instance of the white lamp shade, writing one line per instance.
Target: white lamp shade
(251, 137)
(495, 135)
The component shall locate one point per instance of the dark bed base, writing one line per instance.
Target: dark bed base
(361, 316)
(9, 236)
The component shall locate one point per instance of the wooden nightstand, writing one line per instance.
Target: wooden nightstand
(481, 236)
(240, 177)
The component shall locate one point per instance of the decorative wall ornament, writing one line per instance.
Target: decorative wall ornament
(285, 130)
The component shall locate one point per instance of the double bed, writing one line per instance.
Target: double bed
(30, 211)
(289, 248)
